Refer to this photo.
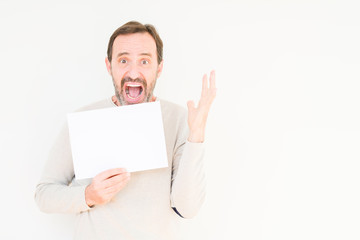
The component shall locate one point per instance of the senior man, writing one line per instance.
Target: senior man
(147, 204)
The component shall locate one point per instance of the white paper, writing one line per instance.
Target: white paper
(130, 137)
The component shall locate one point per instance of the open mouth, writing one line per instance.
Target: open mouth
(134, 92)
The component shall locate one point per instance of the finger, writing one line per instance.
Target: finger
(109, 173)
(116, 188)
(204, 84)
(212, 80)
(108, 183)
(190, 105)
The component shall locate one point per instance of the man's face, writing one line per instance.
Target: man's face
(134, 68)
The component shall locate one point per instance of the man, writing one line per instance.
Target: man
(148, 204)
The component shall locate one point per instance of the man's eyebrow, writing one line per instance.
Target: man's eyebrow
(122, 53)
(141, 54)
(145, 54)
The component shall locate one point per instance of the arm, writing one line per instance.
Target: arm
(188, 179)
(54, 194)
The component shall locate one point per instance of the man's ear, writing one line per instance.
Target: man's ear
(160, 67)
(108, 65)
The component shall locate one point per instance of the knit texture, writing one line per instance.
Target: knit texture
(144, 208)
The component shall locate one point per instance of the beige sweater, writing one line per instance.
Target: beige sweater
(144, 208)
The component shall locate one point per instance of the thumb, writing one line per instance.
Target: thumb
(190, 105)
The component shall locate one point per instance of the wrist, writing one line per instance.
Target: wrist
(197, 136)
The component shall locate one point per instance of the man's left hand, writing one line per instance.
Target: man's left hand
(197, 116)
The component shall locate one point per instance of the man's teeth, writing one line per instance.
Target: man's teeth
(130, 97)
(133, 85)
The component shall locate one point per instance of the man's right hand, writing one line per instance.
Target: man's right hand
(105, 186)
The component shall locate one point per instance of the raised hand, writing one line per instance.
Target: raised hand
(197, 116)
(105, 186)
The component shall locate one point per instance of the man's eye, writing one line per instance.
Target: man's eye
(123, 61)
(145, 62)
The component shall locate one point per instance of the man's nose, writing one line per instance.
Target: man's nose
(133, 71)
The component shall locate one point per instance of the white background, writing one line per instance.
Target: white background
(283, 134)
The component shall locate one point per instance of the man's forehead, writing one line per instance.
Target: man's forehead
(134, 43)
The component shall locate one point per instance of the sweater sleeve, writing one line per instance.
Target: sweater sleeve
(54, 192)
(188, 178)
